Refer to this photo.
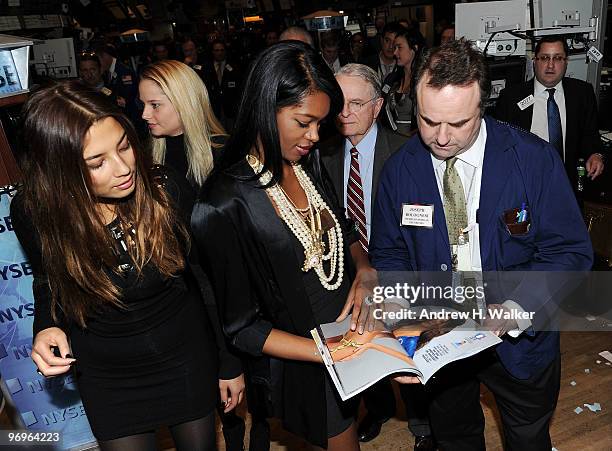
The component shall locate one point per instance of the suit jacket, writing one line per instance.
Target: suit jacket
(373, 61)
(248, 252)
(224, 96)
(518, 168)
(332, 154)
(123, 81)
(581, 132)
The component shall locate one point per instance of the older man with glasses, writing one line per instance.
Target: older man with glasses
(354, 160)
(559, 109)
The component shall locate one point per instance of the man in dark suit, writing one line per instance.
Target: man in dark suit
(448, 200)
(572, 101)
(118, 77)
(330, 51)
(354, 160)
(122, 82)
(223, 81)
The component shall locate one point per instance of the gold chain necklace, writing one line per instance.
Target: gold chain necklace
(309, 233)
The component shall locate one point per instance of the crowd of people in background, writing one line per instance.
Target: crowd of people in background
(222, 59)
(228, 115)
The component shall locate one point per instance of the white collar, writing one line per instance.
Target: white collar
(367, 143)
(474, 156)
(539, 88)
(111, 69)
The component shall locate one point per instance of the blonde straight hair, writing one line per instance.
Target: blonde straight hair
(189, 96)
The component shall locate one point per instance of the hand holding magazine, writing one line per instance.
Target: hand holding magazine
(357, 361)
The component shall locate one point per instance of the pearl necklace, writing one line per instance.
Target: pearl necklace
(310, 235)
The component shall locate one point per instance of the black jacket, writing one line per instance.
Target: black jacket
(259, 284)
(581, 132)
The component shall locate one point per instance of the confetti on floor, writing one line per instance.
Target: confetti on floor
(598, 362)
(587, 371)
(606, 355)
(578, 410)
(595, 407)
(573, 383)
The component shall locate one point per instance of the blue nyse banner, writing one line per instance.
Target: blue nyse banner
(45, 405)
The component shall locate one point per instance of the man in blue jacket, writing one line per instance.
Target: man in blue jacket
(472, 194)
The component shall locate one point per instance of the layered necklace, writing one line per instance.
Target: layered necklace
(307, 226)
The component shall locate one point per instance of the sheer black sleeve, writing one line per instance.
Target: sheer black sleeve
(30, 242)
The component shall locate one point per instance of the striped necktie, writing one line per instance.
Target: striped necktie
(354, 200)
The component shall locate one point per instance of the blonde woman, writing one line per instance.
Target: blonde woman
(178, 113)
(185, 135)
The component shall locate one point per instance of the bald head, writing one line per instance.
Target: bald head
(296, 34)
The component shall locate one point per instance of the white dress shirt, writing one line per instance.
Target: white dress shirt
(365, 150)
(469, 167)
(385, 69)
(539, 121)
(335, 66)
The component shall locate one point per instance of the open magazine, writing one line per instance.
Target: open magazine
(355, 362)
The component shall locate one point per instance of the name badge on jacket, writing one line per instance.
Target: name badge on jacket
(526, 102)
(417, 215)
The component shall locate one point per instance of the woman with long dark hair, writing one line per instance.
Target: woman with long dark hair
(279, 253)
(113, 293)
(399, 100)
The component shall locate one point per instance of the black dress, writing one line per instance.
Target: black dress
(254, 263)
(150, 365)
(326, 306)
(176, 161)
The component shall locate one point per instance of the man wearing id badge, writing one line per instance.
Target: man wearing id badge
(559, 109)
(473, 194)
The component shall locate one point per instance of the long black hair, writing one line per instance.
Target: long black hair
(281, 76)
(417, 43)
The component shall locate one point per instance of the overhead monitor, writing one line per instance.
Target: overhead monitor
(473, 20)
(14, 54)
(561, 13)
(54, 58)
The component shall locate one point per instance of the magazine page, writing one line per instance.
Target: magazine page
(461, 342)
(361, 360)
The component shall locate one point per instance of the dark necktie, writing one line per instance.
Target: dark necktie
(354, 199)
(555, 134)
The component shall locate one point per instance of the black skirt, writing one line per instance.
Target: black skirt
(135, 383)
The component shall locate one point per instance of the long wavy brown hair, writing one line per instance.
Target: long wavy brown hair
(78, 252)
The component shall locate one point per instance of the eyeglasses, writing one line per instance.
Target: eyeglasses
(547, 58)
(355, 107)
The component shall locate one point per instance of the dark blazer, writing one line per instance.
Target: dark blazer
(373, 60)
(224, 96)
(332, 154)
(581, 135)
(248, 252)
(518, 168)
